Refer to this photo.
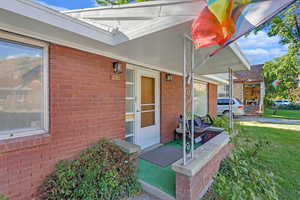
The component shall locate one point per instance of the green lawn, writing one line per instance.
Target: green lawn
(285, 114)
(282, 157)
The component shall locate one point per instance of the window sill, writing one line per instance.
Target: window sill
(18, 143)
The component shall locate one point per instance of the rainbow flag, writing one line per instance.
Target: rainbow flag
(224, 21)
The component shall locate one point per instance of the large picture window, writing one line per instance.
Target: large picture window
(201, 98)
(23, 87)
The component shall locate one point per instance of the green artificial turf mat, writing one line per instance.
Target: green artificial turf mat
(162, 178)
(178, 143)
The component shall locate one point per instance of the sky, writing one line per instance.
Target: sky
(257, 48)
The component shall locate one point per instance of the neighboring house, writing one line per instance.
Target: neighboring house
(249, 88)
(105, 72)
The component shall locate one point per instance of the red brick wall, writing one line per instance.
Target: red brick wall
(190, 188)
(85, 105)
(171, 105)
(212, 99)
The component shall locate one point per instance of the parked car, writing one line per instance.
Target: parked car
(281, 102)
(238, 107)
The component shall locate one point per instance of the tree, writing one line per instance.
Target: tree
(285, 68)
(286, 26)
(117, 2)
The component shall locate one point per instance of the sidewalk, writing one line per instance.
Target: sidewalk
(144, 196)
(269, 120)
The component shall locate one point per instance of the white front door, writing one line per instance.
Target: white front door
(147, 108)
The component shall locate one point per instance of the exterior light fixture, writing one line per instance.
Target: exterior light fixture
(117, 68)
(169, 77)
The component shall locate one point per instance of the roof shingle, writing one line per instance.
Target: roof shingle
(254, 75)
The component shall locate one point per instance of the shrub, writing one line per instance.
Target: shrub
(241, 177)
(101, 172)
(223, 122)
(2, 197)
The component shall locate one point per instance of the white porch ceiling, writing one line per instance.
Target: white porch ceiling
(151, 41)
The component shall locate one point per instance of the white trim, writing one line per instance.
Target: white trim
(64, 22)
(21, 39)
(238, 52)
(140, 4)
(21, 134)
(45, 76)
(139, 72)
(55, 18)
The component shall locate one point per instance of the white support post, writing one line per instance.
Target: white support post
(184, 101)
(193, 107)
(230, 79)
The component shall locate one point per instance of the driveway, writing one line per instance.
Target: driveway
(269, 120)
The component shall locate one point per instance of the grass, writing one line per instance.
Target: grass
(285, 114)
(282, 158)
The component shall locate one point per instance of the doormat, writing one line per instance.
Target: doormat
(163, 156)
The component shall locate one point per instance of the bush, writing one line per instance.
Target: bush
(2, 197)
(223, 122)
(101, 172)
(241, 177)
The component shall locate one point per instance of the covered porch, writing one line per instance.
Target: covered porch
(162, 72)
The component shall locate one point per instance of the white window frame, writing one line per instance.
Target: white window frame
(10, 37)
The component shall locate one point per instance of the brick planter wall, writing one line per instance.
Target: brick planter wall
(85, 105)
(190, 188)
(193, 180)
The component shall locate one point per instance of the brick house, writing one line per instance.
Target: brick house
(69, 79)
(249, 88)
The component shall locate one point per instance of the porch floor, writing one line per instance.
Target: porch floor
(163, 178)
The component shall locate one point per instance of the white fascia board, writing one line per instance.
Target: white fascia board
(132, 5)
(238, 52)
(217, 79)
(52, 17)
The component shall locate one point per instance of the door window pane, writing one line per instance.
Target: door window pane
(21, 87)
(148, 90)
(129, 91)
(130, 106)
(148, 119)
(147, 102)
(129, 75)
(129, 128)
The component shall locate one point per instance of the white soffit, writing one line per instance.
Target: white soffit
(154, 43)
(131, 21)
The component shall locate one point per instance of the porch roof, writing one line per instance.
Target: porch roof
(149, 34)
